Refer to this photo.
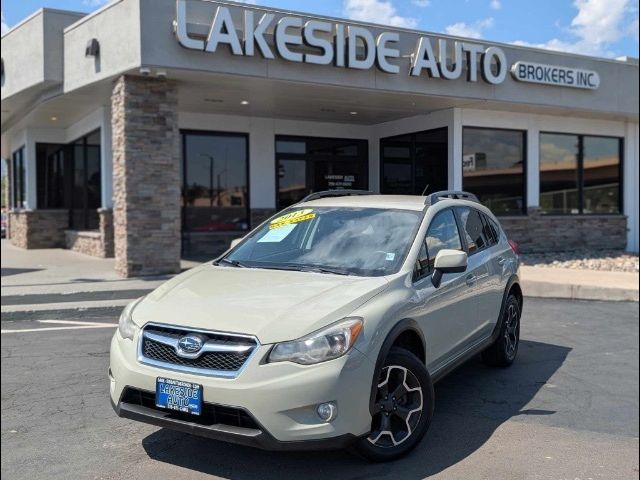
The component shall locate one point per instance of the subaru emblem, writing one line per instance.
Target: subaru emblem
(190, 344)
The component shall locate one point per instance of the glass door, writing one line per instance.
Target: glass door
(415, 163)
(313, 164)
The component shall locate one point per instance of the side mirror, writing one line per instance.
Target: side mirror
(235, 242)
(448, 261)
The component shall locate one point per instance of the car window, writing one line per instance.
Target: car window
(472, 227)
(442, 234)
(489, 230)
(495, 229)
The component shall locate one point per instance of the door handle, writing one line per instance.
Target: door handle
(501, 260)
(471, 279)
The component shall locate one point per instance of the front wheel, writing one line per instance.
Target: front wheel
(403, 408)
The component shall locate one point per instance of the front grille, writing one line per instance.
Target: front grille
(211, 413)
(227, 362)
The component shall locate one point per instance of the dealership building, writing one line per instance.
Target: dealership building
(151, 130)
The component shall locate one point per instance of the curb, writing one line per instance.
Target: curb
(532, 288)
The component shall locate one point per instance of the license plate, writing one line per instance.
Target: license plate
(178, 395)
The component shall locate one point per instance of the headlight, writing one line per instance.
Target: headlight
(126, 327)
(326, 344)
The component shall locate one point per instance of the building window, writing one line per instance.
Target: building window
(69, 177)
(493, 166)
(415, 163)
(312, 164)
(18, 196)
(85, 182)
(51, 179)
(215, 194)
(580, 174)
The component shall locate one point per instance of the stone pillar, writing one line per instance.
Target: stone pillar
(106, 231)
(146, 176)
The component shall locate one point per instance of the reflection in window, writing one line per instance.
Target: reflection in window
(565, 160)
(559, 173)
(601, 177)
(493, 168)
(361, 241)
(473, 229)
(442, 234)
(214, 190)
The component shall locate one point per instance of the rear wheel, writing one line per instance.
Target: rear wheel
(503, 351)
(403, 408)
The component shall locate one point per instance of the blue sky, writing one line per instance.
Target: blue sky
(594, 27)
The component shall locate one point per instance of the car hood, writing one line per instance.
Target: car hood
(273, 305)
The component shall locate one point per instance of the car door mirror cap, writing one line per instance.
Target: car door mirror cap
(448, 261)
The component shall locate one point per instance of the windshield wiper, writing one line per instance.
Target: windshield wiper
(303, 268)
(335, 271)
(235, 263)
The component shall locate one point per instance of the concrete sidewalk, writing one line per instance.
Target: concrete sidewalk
(38, 283)
(548, 282)
(35, 282)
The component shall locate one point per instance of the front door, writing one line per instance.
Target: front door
(445, 313)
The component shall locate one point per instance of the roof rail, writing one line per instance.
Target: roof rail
(451, 194)
(334, 193)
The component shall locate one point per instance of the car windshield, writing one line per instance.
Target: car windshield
(348, 241)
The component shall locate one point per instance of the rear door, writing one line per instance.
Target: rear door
(480, 274)
(498, 261)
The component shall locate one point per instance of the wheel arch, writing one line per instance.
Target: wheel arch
(405, 334)
(513, 287)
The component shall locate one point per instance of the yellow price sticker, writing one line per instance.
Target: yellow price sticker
(293, 217)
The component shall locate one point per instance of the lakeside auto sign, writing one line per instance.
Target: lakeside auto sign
(336, 44)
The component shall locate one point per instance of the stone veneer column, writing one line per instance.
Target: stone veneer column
(106, 231)
(146, 176)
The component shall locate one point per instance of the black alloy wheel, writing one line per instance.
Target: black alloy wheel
(403, 407)
(503, 351)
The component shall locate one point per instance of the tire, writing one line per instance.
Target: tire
(400, 369)
(503, 351)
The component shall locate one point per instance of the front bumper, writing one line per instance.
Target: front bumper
(258, 438)
(281, 398)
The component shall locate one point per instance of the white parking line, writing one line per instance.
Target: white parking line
(71, 325)
(76, 322)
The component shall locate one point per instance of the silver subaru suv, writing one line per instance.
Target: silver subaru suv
(325, 327)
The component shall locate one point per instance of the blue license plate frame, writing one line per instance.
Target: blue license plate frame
(179, 396)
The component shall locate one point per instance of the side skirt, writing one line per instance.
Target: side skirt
(469, 353)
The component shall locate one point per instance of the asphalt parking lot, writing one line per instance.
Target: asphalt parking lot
(568, 409)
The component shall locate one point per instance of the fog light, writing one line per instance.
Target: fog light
(327, 411)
